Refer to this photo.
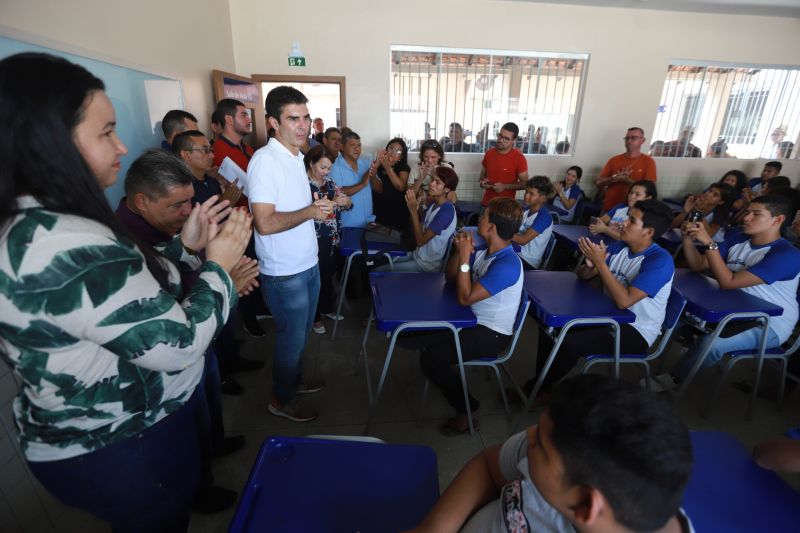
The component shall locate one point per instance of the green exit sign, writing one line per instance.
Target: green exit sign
(297, 61)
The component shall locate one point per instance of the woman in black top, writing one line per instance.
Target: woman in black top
(389, 186)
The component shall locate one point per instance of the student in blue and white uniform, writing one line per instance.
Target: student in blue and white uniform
(759, 262)
(637, 275)
(568, 193)
(610, 223)
(432, 233)
(770, 170)
(491, 285)
(537, 224)
(716, 203)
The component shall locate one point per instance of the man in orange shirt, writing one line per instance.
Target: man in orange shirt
(623, 169)
(504, 170)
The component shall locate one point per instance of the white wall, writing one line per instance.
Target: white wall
(182, 39)
(630, 50)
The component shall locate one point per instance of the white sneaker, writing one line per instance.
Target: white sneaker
(661, 383)
(333, 316)
(319, 329)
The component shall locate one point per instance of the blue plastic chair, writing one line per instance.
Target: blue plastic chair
(675, 306)
(495, 362)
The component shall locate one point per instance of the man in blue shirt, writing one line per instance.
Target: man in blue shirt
(352, 174)
(175, 122)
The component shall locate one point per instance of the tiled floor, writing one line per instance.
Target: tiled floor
(343, 405)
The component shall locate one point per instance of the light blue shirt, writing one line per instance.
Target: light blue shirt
(344, 176)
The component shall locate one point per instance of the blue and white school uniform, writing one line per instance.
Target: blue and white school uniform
(650, 271)
(541, 222)
(618, 214)
(441, 220)
(573, 193)
(501, 275)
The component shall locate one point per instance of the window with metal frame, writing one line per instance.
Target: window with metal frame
(728, 110)
(461, 97)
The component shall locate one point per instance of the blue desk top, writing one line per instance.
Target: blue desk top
(301, 484)
(351, 243)
(705, 300)
(729, 492)
(400, 298)
(569, 235)
(558, 297)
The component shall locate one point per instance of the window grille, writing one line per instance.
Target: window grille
(434, 88)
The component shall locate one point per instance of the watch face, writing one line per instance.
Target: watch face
(465, 268)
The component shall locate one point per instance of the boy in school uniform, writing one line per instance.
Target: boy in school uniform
(637, 274)
(537, 223)
(759, 262)
(491, 285)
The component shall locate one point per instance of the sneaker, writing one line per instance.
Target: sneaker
(333, 316)
(661, 383)
(319, 327)
(310, 386)
(295, 410)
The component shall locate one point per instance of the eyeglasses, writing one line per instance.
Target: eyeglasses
(632, 137)
(504, 138)
(204, 149)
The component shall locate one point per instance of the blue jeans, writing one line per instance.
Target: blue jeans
(746, 340)
(293, 302)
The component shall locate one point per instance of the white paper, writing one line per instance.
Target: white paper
(230, 171)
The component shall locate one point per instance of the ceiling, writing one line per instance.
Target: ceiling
(774, 8)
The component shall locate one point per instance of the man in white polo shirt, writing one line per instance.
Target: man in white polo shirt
(286, 245)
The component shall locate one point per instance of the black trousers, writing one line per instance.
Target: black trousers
(581, 342)
(329, 261)
(438, 355)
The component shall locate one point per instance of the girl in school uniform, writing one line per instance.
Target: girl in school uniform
(568, 193)
(610, 223)
(714, 206)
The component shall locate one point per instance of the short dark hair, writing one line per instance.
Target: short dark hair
(447, 175)
(578, 170)
(350, 134)
(315, 154)
(776, 204)
(155, 172)
(741, 179)
(778, 182)
(183, 141)
(624, 441)
(541, 184)
(649, 188)
(506, 215)
(777, 165)
(281, 96)
(216, 119)
(656, 215)
(513, 128)
(227, 108)
(637, 128)
(330, 130)
(173, 121)
(723, 211)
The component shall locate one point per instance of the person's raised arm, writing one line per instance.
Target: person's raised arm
(420, 237)
(468, 292)
(623, 296)
(371, 172)
(696, 261)
(269, 221)
(726, 278)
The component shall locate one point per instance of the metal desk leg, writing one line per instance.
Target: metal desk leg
(762, 346)
(364, 355)
(342, 288)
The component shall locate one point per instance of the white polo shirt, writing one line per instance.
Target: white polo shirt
(276, 176)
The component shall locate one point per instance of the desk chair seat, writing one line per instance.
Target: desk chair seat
(494, 362)
(675, 306)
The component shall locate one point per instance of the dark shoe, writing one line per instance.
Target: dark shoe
(295, 410)
(228, 445)
(212, 499)
(231, 387)
(240, 364)
(310, 386)
(252, 327)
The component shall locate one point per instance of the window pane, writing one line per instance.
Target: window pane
(462, 98)
(724, 110)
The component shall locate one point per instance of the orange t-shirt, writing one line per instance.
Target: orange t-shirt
(642, 168)
(502, 168)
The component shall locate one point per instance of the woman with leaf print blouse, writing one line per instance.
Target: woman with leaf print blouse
(108, 352)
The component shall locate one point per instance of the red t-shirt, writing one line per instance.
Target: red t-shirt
(240, 155)
(642, 168)
(502, 168)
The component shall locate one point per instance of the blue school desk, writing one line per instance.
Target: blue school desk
(561, 301)
(707, 304)
(418, 301)
(568, 235)
(351, 247)
(320, 485)
(729, 492)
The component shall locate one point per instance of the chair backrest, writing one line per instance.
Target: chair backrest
(522, 312)
(548, 252)
(447, 250)
(675, 305)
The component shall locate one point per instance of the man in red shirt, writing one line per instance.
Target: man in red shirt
(504, 170)
(235, 123)
(623, 169)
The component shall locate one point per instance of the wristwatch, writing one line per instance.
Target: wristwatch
(464, 267)
(713, 245)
